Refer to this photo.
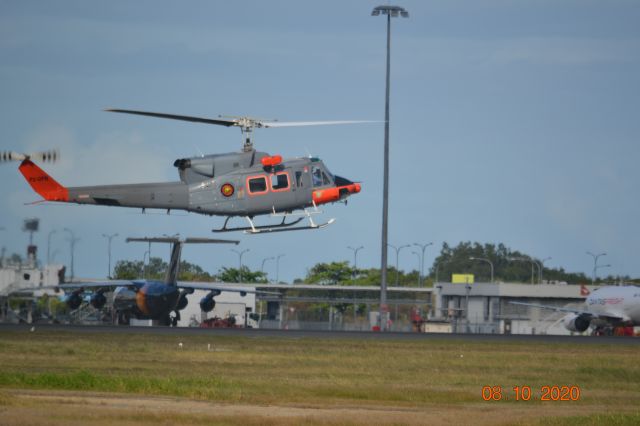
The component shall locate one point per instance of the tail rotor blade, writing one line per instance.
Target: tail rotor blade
(7, 156)
(50, 156)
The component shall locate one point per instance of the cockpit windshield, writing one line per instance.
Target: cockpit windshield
(320, 176)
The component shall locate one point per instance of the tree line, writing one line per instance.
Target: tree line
(508, 266)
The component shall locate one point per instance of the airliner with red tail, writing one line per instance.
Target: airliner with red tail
(609, 306)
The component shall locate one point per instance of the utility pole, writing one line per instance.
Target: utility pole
(278, 268)
(355, 258)
(49, 245)
(72, 247)
(240, 254)
(398, 249)
(595, 265)
(423, 247)
(482, 259)
(109, 238)
(263, 261)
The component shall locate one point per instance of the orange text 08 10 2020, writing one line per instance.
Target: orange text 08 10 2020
(525, 393)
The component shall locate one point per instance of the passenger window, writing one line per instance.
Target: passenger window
(316, 175)
(258, 184)
(279, 181)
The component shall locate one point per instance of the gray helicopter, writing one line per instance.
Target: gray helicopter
(239, 184)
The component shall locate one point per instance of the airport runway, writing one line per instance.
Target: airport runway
(310, 334)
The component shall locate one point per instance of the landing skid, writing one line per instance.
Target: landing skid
(280, 227)
(252, 228)
(261, 229)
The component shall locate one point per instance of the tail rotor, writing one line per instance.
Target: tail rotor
(50, 156)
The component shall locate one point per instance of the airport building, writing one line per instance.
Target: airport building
(486, 307)
(336, 307)
(447, 307)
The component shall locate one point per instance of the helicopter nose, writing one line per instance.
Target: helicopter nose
(340, 181)
(344, 188)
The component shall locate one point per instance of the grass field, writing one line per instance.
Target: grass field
(60, 378)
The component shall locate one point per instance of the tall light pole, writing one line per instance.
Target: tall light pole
(144, 259)
(3, 249)
(602, 266)
(438, 267)
(482, 259)
(423, 247)
(263, 262)
(390, 11)
(240, 254)
(49, 245)
(541, 268)
(109, 238)
(527, 259)
(278, 268)
(72, 246)
(595, 264)
(398, 250)
(419, 265)
(355, 257)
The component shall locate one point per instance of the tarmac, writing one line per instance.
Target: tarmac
(314, 334)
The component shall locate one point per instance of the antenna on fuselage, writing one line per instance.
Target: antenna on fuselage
(171, 277)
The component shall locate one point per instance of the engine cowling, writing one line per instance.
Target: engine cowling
(182, 300)
(577, 322)
(74, 300)
(207, 303)
(98, 300)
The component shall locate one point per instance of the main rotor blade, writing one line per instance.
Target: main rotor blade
(226, 123)
(188, 240)
(311, 123)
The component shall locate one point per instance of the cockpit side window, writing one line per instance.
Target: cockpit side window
(299, 182)
(325, 179)
(316, 176)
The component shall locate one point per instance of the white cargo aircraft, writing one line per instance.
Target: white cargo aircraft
(606, 306)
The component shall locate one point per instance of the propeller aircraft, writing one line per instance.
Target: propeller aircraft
(239, 184)
(156, 300)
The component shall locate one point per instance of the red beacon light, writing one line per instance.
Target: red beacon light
(271, 161)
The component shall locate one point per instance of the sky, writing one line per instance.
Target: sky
(512, 122)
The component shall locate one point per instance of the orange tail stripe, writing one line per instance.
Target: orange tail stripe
(42, 183)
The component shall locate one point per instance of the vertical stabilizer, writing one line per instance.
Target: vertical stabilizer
(42, 183)
(171, 278)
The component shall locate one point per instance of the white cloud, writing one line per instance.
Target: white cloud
(116, 157)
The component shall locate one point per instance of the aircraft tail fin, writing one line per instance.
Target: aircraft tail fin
(171, 277)
(42, 183)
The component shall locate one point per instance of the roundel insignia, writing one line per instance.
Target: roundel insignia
(227, 190)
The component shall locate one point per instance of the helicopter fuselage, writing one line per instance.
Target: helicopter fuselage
(235, 184)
